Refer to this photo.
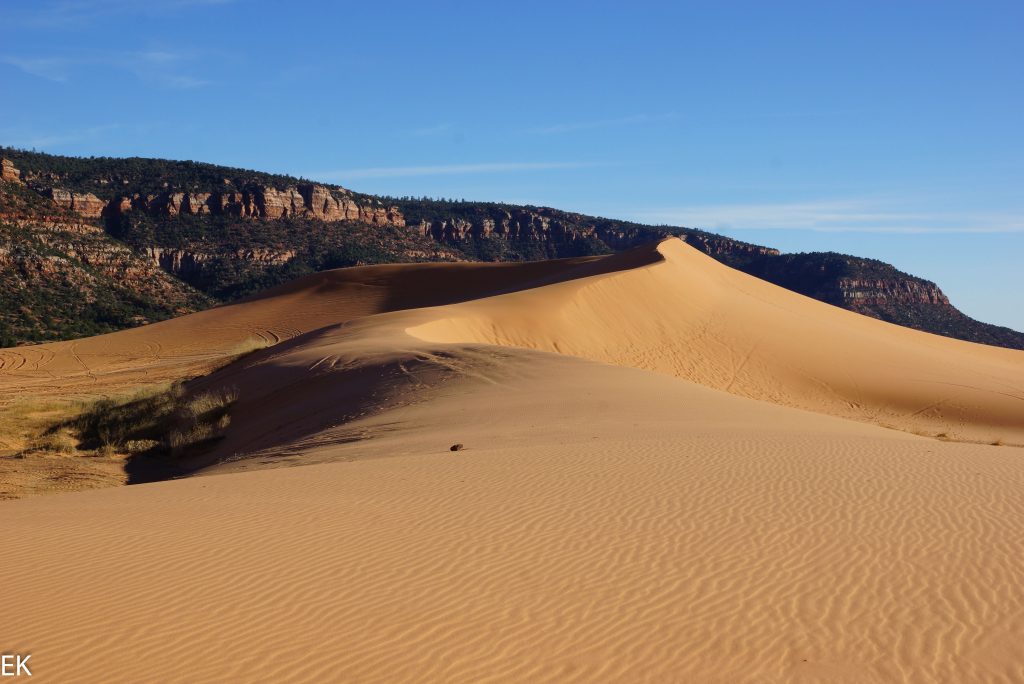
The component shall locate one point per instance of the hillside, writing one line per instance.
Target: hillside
(215, 234)
(63, 276)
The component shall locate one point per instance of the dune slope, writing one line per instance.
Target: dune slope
(192, 344)
(688, 316)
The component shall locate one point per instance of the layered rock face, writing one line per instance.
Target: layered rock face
(87, 205)
(510, 225)
(62, 276)
(308, 200)
(303, 201)
(856, 292)
(188, 263)
(846, 281)
(551, 226)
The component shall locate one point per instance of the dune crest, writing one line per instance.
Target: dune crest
(688, 316)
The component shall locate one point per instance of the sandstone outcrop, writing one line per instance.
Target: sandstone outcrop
(544, 225)
(62, 275)
(8, 172)
(188, 263)
(302, 201)
(87, 205)
(877, 292)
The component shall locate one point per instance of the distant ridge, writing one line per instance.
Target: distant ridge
(91, 245)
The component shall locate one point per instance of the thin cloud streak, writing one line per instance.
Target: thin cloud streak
(49, 68)
(34, 141)
(448, 169)
(427, 131)
(834, 216)
(65, 14)
(635, 120)
(155, 66)
(182, 82)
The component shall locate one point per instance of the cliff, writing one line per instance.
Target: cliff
(86, 205)
(316, 202)
(63, 276)
(495, 232)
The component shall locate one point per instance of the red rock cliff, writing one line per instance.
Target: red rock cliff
(305, 201)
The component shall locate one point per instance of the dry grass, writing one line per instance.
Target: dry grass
(201, 419)
(248, 346)
(24, 422)
(58, 442)
(164, 421)
(160, 419)
(155, 419)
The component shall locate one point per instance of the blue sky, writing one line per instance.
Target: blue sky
(883, 129)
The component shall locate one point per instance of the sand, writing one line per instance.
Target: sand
(191, 345)
(640, 498)
(705, 322)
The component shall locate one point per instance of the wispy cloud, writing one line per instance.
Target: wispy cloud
(835, 216)
(634, 120)
(28, 139)
(437, 129)
(106, 6)
(447, 169)
(162, 67)
(50, 68)
(66, 14)
(159, 56)
(183, 82)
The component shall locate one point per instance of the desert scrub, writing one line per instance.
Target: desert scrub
(201, 419)
(166, 420)
(26, 422)
(58, 442)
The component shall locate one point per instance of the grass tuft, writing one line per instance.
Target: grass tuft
(57, 442)
(167, 420)
(248, 346)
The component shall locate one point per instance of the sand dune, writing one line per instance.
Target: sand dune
(665, 307)
(618, 513)
(689, 316)
(193, 344)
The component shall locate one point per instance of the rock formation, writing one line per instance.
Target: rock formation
(8, 172)
(551, 226)
(856, 293)
(87, 205)
(302, 201)
(188, 263)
